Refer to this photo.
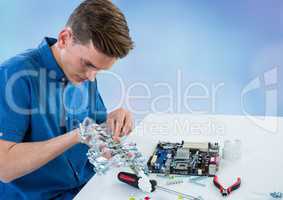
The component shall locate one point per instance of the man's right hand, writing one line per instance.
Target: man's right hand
(14, 165)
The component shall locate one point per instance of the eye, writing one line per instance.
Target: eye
(89, 65)
(93, 67)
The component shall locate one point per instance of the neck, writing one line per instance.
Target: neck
(55, 51)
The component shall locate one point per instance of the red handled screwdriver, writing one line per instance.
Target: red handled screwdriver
(133, 180)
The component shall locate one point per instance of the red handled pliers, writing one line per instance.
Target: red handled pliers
(226, 191)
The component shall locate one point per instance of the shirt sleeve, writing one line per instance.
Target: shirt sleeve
(14, 103)
(99, 110)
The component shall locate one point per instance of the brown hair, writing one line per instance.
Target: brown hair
(101, 22)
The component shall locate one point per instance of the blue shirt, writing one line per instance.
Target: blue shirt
(37, 103)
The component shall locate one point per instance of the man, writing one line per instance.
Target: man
(46, 92)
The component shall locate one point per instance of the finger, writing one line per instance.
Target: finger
(111, 124)
(118, 128)
(126, 130)
(128, 125)
(116, 139)
(119, 123)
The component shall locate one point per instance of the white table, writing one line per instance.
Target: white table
(260, 167)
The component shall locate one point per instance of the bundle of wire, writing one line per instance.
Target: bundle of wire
(105, 153)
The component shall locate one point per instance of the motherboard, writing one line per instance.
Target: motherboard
(185, 158)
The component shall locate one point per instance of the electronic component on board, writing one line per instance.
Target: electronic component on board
(185, 158)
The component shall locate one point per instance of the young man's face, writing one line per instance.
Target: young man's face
(81, 62)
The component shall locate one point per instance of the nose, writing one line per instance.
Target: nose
(91, 75)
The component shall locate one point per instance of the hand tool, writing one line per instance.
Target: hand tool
(226, 191)
(137, 182)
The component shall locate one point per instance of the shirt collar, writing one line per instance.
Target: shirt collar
(49, 59)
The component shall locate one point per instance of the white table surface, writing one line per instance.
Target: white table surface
(260, 167)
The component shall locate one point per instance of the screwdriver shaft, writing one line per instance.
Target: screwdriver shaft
(178, 193)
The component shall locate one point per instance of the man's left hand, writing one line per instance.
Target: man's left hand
(120, 122)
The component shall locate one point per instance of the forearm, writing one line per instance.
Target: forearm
(23, 158)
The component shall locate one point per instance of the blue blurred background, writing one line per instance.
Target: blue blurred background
(190, 56)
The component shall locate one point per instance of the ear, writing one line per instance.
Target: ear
(65, 38)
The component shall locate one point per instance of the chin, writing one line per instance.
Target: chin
(75, 81)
